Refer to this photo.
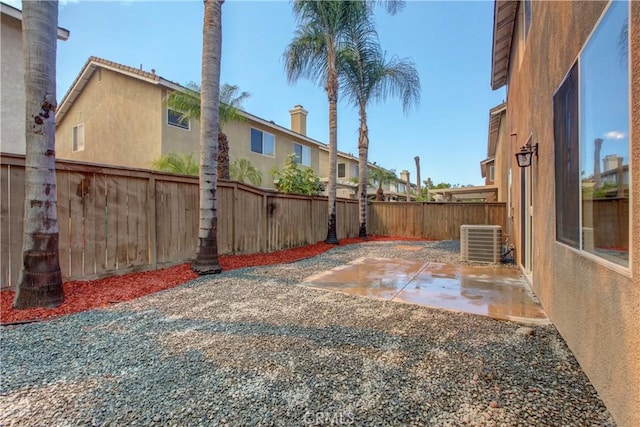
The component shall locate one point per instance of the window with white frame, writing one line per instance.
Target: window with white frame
(302, 154)
(492, 173)
(77, 138)
(591, 132)
(342, 170)
(356, 170)
(178, 119)
(262, 142)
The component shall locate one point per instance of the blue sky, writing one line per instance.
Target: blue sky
(450, 43)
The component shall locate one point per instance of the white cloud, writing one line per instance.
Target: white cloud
(614, 134)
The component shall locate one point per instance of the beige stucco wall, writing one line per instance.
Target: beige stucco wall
(239, 136)
(502, 160)
(121, 117)
(176, 140)
(596, 309)
(125, 123)
(12, 89)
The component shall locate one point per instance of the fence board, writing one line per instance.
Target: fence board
(76, 186)
(112, 211)
(248, 227)
(89, 214)
(17, 200)
(137, 251)
(101, 223)
(181, 235)
(193, 210)
(63, 204)
(225, 219)
(6, 251)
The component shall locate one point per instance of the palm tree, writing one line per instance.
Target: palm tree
(206, 261)
(40, 282)
(242, 169)
(365, 76)
(313, 54)
(231, 99)
(381, 176)
(185, 164)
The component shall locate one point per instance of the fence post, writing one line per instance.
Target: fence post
(151, 221)
(312, 229)
(234, 211)
(264, 245)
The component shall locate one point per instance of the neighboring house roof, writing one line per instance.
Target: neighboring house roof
(5, 9)
(495, 117)
(504, 21)
(93, 63)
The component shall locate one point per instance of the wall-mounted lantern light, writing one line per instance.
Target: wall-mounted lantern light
(525, 155)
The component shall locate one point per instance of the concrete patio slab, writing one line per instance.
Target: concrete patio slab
(499, 293)
(369, 277)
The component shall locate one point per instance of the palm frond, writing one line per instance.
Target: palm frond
(231, 100)
(242, 169)
(185, 164)
(400, 79)
(187, 102)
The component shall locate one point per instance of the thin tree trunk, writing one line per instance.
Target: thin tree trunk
(363, 152)
(206, 261)
(223, 156)
(417, 159)
(332, 93)
(40, 283)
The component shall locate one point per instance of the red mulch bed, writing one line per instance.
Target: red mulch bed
(85, 295)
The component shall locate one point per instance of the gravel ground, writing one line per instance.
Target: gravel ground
(247, 347)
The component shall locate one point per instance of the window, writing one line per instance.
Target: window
(177, 119)
(591, 131)
(342, 173)
(356, 170)
(77, 138)
(492, 173)
(262, 142)
(302, 154)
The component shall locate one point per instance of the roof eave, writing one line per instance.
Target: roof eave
(5, 9)
(504, 18)
(495, 117)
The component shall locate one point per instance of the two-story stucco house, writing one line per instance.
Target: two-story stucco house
(12, 100)
(117, 115)
(572, 74)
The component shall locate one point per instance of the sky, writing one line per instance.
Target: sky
(449, 42)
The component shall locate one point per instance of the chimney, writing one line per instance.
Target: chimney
(404, 175)
(299, 120)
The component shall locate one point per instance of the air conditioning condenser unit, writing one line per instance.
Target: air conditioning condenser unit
(481, 243)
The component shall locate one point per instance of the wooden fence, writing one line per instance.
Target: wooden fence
(115, 220)
(438, 221)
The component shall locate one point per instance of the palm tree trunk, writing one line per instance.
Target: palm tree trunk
(417, 159)
(206, 261)
(363, 152)
(223, 156)
(332, 93)
(40, 283)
